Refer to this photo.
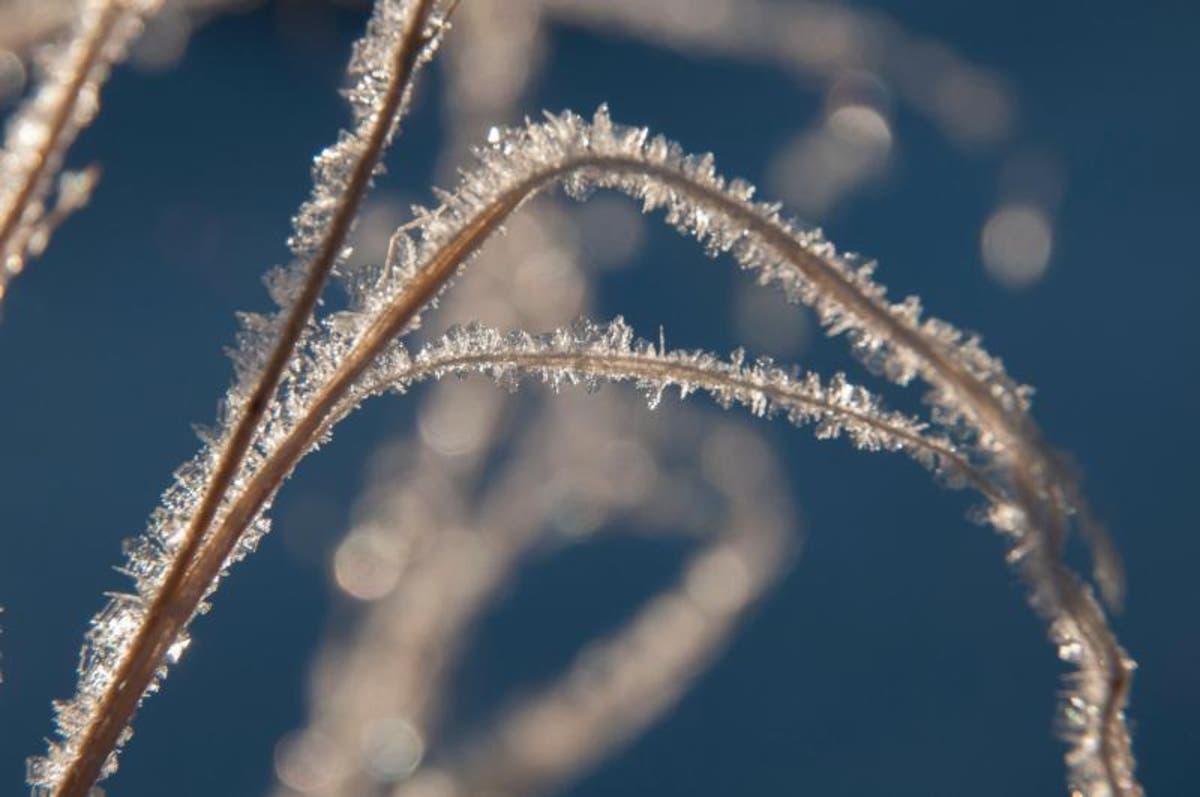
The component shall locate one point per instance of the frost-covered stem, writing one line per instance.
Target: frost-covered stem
(1065, 594)
(659, 370)
(1020, 447)
(992, 416)
(168, 614)
(1062, 594)
(1027, 455)
(99, 40)
(1100, 645)
(91, 46)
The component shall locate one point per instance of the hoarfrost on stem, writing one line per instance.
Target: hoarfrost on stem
(983, 432)
(40, 132)
(379, 65)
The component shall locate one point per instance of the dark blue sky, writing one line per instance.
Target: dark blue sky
(898, 658)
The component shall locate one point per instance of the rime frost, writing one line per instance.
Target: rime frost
(40, 131)
(893, 338)
(149, 557)
(982, 432)
(972, 398)
(588, 354)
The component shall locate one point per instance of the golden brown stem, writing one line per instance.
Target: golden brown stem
(167, 615)
(176, 605)
(90, 52)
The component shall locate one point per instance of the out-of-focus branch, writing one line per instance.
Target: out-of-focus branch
(42, 129)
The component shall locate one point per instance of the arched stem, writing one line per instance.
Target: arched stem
(1063, 594)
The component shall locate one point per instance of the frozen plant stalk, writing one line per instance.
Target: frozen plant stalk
(40, 132)
(298, 376)
(136, 636)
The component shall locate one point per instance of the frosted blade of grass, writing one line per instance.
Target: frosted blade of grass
(588, 354)
(971, 390)
(971, 394)
(44, 127)
(136, 636)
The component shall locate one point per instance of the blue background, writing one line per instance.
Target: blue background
(898, 657)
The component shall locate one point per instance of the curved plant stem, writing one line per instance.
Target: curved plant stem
(179, 599)
(617, 367)
(1028, 459)
(166, 616)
